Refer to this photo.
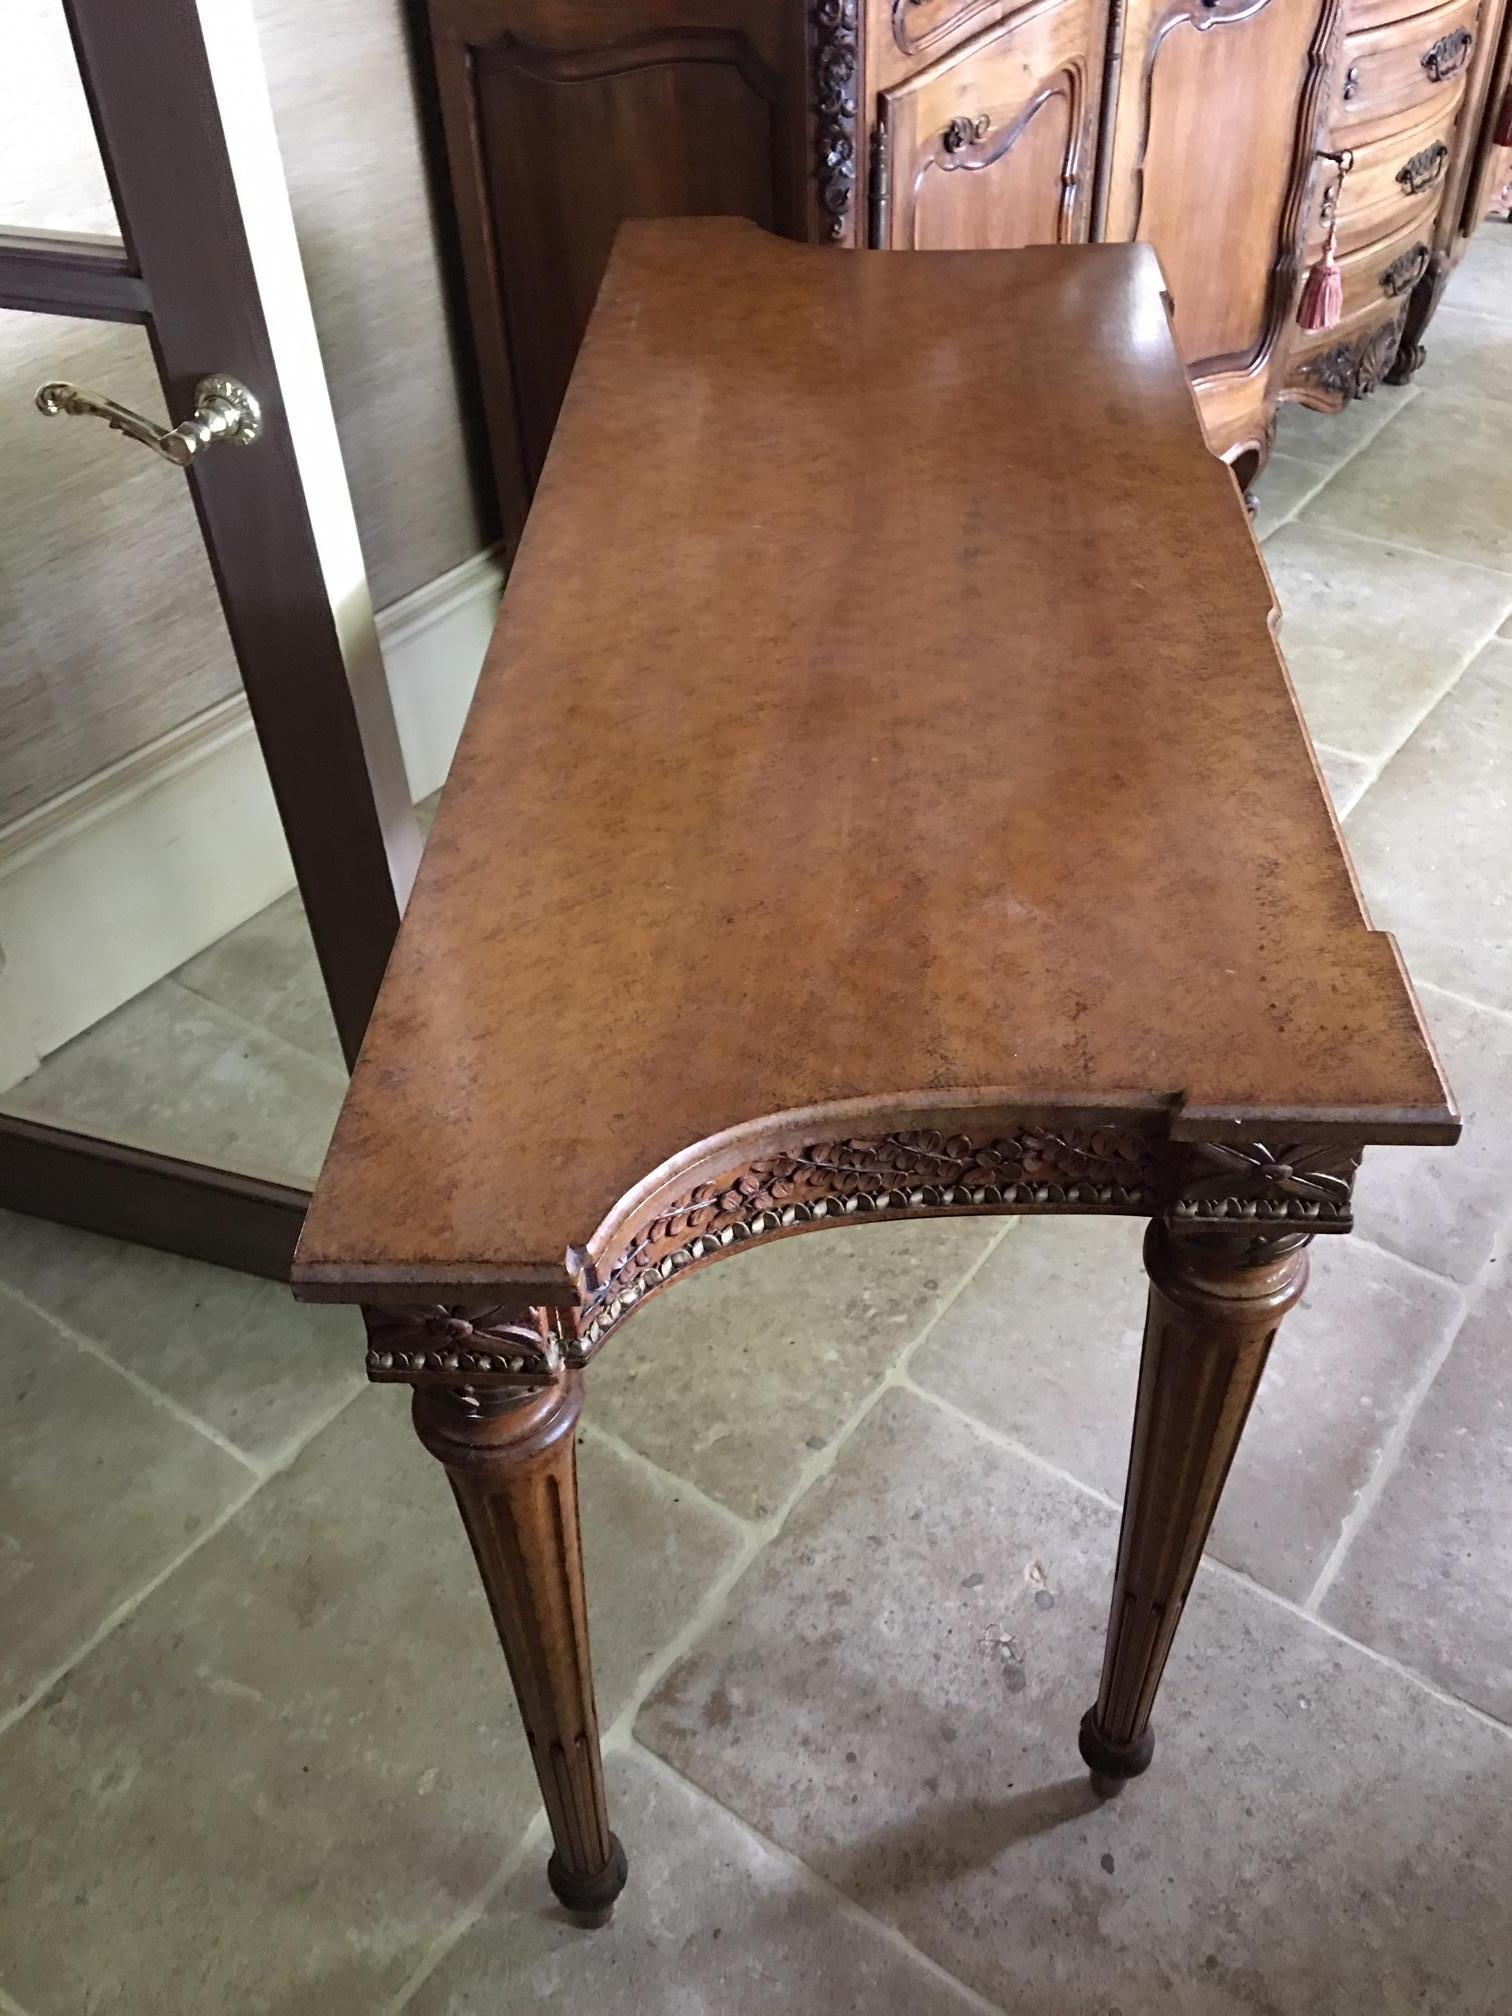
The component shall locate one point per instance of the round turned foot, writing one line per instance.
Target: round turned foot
(1111, 1764)
(590, 1899)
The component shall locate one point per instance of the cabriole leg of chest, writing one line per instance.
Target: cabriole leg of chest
(512, 1464)
(1217, 1298)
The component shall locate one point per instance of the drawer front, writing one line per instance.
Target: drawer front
(1403, 69)
(1362, 14)
(1377, 281)
(1394, 182)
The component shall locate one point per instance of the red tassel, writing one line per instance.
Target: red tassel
(1322, 301)
(1502, 137)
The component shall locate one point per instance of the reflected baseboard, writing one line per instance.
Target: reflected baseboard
(117, 882)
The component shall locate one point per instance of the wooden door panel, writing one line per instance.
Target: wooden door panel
(991, 145)
(1403, 69)
(574, 142)
(1220, 111)
(565, 117)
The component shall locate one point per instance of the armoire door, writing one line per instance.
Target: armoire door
(992, 145)
(565, 117)
(1220, 112)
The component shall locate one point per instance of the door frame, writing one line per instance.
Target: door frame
(209, 266)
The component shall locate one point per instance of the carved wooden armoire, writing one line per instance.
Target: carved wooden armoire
(1230, 134)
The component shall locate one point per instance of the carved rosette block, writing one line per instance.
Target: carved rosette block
(1217, 1297)
(1252, 1183)
(461, 1348)
(512, 1466)
(834, 66)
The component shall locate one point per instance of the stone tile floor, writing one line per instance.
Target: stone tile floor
(256, 1751)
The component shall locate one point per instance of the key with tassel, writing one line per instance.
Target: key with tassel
(1321, 302)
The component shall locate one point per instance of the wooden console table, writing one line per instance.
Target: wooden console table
(883, 798)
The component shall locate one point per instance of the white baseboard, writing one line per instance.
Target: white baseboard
(122, 879)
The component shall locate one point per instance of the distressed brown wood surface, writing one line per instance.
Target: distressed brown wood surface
(880, 731)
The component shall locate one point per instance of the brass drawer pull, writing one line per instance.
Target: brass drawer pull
(1424, 169)
(224, 410)
(1405, 271)
(962, 132)
(1449, 55)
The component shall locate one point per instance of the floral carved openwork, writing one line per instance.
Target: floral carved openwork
(1080, 1170)
(835, 60)
(1353, 370)
(898, 1175)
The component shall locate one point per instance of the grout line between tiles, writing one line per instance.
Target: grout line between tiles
(1358, 1238)
(757, 1537)
(767, 1528)
(249, 1021)
(1376, 765)
(1392, 1448)
(1396, 545)
(330, 1067)
(134, 1379)
(807, 1874)
(1215, 1566)
(1465, 1000)
(1380, 767)
(1409, 394)
(670, 1481)
(125, 1607)
(1370, 1492)
(529, 1843)
(1011, 1444)
(1502, 576)
(1393, 1665)
(130, 1604)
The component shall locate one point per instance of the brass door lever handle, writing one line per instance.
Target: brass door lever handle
(224, 410)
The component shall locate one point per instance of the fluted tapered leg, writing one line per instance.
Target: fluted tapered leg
(512, 1465)
(1216, 1302)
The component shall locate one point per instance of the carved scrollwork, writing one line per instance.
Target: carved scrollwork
(445, 1346)
(962, 132)
(1247, 1182)
(1353, 370)
(1248, 1186)
(833, 27)
(1449, 55)
(1423, 169)
(1405, 271)
(898, 1175)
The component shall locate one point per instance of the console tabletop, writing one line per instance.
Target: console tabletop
(884, 796)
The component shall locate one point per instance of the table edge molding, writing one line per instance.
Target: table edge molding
(1247, 1189)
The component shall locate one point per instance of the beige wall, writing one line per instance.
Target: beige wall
(109, 635)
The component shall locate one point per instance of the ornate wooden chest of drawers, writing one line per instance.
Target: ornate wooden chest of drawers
(1417, 95)
(1214, 129)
